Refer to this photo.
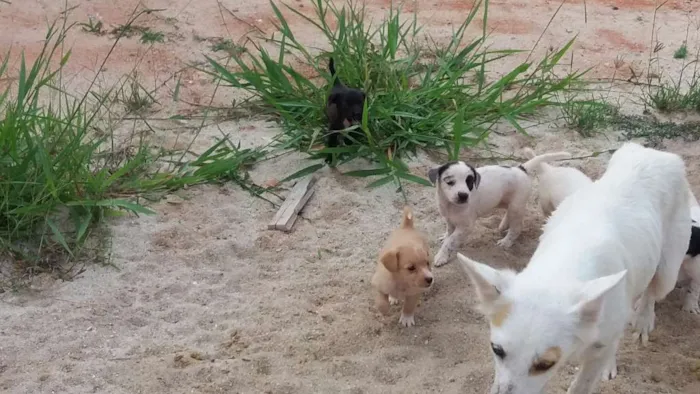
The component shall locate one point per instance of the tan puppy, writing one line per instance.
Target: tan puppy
(403, 270)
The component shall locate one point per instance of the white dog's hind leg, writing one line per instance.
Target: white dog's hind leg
(673, 250)
(449, 247)
(644, 319)
(692, 269)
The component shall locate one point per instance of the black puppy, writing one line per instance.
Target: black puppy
(344, 109)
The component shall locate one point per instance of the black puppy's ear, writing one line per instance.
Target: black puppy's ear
(333, 98)
(433, 174)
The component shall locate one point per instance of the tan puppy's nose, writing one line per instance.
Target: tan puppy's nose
(429, 280)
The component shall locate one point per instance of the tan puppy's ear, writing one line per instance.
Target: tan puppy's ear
(390, 259)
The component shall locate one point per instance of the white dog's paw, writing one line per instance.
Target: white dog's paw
(691, 306)
(643, 325)
(505, 243)
(407, 320)
(393, 301)
(610, 372)
(441, 258)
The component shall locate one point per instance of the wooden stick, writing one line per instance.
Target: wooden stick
(287, 215)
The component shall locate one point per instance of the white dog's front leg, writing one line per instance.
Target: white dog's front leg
(610, 371)
(449, 247)
(594, 362)
(644, 319)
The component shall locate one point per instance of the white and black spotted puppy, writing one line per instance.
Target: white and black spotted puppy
(465, 193)
(691, 263)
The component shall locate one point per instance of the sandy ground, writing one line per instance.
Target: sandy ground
(202, 298)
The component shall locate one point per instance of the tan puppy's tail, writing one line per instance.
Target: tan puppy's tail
(407, 217)
(533, 165)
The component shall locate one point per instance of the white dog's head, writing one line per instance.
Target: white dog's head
(535, 327)
(455, 180)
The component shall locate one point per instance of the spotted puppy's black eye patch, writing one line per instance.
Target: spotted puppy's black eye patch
(436, 173)
(470, 182)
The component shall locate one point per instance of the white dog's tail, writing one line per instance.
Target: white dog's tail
(533, 165)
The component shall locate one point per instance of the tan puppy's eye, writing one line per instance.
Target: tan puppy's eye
(411, 268)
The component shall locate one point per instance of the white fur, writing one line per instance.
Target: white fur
(556, 183)
(499, 187)
(691, 267)
(620, 239)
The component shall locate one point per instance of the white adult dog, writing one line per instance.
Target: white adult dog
(691, 264)
(465, 194)
(556, 183)
(618, 240)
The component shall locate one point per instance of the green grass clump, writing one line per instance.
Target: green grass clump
(587, 117)
(61, 174)
(681, 53)
(420, 96)
(50, 162)
(671, 97)
(152, 37)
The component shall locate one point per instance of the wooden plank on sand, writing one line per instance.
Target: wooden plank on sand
(287, 214)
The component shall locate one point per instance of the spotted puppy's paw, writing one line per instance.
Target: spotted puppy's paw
(505, 243)
(441, 258)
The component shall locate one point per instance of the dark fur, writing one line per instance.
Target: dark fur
(694, 244)
(344, 109)
(520, 167)
(434, 174)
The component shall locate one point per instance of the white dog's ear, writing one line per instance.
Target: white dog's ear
(433, 174)
(592, 297)
(489, 282)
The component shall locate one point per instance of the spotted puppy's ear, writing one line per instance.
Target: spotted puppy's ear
(477, 177)
(434, 174)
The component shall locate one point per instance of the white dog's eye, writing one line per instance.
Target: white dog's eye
(498, 351)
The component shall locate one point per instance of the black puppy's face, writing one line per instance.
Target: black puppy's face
(345, 107)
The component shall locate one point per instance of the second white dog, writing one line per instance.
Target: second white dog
(620, 239)
(556, 183)
(465, 194)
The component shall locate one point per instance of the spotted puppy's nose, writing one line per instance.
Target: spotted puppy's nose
(462, 197)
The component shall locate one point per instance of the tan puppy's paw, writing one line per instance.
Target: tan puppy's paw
(407, 320)
(393, 301)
